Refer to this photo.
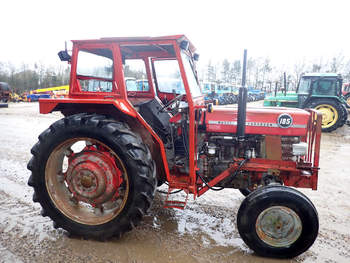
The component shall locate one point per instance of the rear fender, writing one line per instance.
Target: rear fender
(315, 98)
(121, 111)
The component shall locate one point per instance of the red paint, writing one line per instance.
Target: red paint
(257, 116)
(92, 176)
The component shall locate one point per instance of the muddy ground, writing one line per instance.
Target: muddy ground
(204, 232)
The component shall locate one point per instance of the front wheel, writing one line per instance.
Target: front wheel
(277, 221)
(92, 176)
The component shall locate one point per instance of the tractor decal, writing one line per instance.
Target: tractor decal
(282, 121)
(285, 120)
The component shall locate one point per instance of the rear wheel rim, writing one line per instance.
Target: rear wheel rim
(71, 188)
(329, 115)
(278, 226)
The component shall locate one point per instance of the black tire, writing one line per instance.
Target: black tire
(345, 116)
(288, 202)
(139, 176)
(347, 97)
(337, 106)
(245, 191)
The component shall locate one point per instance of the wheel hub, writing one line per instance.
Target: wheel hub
(278, 226)
(93, 177)
(329, 115)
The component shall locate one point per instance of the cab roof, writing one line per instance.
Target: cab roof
(317, 74)
(135, 40)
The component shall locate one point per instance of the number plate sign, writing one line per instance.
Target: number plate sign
(284, 120)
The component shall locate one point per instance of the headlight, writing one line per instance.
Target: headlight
(300, 149)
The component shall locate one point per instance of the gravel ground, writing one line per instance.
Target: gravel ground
(204, 232)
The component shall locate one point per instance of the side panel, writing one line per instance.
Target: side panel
(291, 100)
(258, 121)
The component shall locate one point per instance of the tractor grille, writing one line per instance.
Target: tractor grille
(287, 147)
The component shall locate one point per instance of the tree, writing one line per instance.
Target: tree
(211, 72)
(266, 69)
(337, 63)
(226, 76)
(299, 69)
(250, 68)
(236, 70)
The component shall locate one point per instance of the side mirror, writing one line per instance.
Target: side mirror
(195, 56)
(64, 56)
(184, 44)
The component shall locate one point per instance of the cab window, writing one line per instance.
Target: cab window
(95, 70)
(324, 87)
(168, 76)
(135, 75)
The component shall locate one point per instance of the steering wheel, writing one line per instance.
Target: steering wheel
(176, 99)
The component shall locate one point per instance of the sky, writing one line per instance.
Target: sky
(286, 31)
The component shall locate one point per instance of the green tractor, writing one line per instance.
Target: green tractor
(320, 91)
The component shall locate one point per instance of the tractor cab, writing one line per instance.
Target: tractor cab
(315, 85)
(153, 80)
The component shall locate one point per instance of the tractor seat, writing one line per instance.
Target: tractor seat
(159, 121)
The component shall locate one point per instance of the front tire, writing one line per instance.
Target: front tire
(245, 191)
(277, 221)
(101, 190)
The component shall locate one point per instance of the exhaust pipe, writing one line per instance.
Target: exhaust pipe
(242, 102)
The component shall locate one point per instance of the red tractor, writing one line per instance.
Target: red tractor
(95, 172)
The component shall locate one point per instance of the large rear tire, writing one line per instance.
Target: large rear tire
(277, 221)
(347, 98)
(345, 116)
(92, 176)
(332, 113)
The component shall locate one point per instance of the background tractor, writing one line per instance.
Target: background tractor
(4, 92)
(320, 91)
(95, 172)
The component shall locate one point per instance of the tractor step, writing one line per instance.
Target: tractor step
(175, 203)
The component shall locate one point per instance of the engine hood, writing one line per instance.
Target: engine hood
(266, 120)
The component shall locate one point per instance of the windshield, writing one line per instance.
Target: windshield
(191, 77)
(304, 86)
(168, 76)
